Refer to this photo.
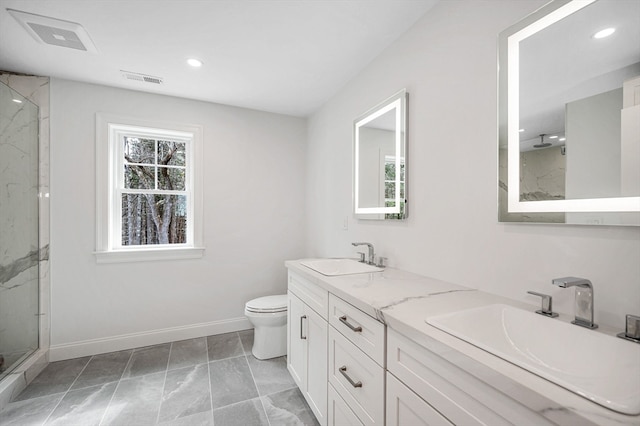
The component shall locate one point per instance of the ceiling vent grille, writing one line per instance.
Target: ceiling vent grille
(141, 77)
(55, 32)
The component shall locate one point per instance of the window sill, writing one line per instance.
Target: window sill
(123, 256)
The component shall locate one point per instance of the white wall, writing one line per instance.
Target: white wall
(254, 221)
(593, 141)
(448, 63)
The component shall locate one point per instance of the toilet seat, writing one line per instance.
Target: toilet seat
(267, 304)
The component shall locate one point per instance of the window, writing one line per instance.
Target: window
(149, 199)
(390, 187)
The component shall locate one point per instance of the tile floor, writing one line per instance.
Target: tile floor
(205, 381)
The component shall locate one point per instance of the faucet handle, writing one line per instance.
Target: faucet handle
(546, 308)
(631, 329)
(361, 256)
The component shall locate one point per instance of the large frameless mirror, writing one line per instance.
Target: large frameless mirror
(380, 160)
(569, 131)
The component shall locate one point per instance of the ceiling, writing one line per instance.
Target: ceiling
(283, 56)
(563, 63)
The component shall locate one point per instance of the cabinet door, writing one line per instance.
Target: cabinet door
(296, 344)
(405, 408)
(316, 331)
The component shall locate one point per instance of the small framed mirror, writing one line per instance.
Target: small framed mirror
(569, 129)
(380, 160)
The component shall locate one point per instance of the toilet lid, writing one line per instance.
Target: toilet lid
(277, 303)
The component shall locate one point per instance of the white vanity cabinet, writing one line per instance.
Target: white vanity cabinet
(444, 392)
(307, 342)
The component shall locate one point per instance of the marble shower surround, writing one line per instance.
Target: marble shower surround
(198, 381)
(544, 178)
(14, 268)
(543, 174)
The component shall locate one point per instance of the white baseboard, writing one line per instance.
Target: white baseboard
(146, 338)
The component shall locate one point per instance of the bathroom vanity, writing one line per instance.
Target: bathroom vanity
(362, 352)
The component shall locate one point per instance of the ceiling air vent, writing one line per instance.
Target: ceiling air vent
(141, 77)
(55, 31)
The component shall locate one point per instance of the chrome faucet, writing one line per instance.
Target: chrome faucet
(583, 302)
(547, 305)
(371, 258)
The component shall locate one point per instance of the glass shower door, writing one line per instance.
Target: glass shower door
(19, 246)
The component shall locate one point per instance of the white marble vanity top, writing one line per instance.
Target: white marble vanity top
(403, 301)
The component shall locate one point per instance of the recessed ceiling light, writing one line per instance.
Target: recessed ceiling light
(194, 62)
(521, 130)
(562, 139)
(553, 137)
(604, 33)
(18, 101)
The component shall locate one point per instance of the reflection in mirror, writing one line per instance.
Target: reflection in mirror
(379, 190)
(570, 115)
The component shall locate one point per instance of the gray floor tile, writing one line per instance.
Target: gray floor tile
(136, 401)
(246, 337)
(271, 375)
(199, 419)
(231, 381)
(186, 392)
(224, 390)
(29, 412)
(103, 369)
(288, 408)
(187, 353)
(148, 360)
(55, 378)
(245, 413)
(83, 406)
(224, 346)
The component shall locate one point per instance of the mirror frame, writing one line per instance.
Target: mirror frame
(399, 102)
(508, 126)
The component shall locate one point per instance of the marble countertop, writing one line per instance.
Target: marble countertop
(403, 301)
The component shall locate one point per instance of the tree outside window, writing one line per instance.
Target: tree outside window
(153, 194)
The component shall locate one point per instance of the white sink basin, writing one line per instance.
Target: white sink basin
(601, 368)
(331, 267)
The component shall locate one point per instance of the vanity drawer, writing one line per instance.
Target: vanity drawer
(312, 294)
(357, 379)
(405, 408)
(362, 330)
(460, 397)
(339, 412)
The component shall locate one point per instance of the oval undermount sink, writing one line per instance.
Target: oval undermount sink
(332, 267)
(599, 367)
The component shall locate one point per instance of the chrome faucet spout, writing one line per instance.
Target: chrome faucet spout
(583, 301)
(371, 257)
(571, 282)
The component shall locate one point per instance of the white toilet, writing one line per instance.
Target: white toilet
(269, 317)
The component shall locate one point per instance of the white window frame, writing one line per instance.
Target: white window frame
(110, 131)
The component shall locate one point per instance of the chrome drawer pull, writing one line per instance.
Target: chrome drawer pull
(301, 336)
(343, 319)
(343, 370)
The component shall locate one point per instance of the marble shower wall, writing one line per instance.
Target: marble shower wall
(542, 177)
(543, 174)
(24, 220)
